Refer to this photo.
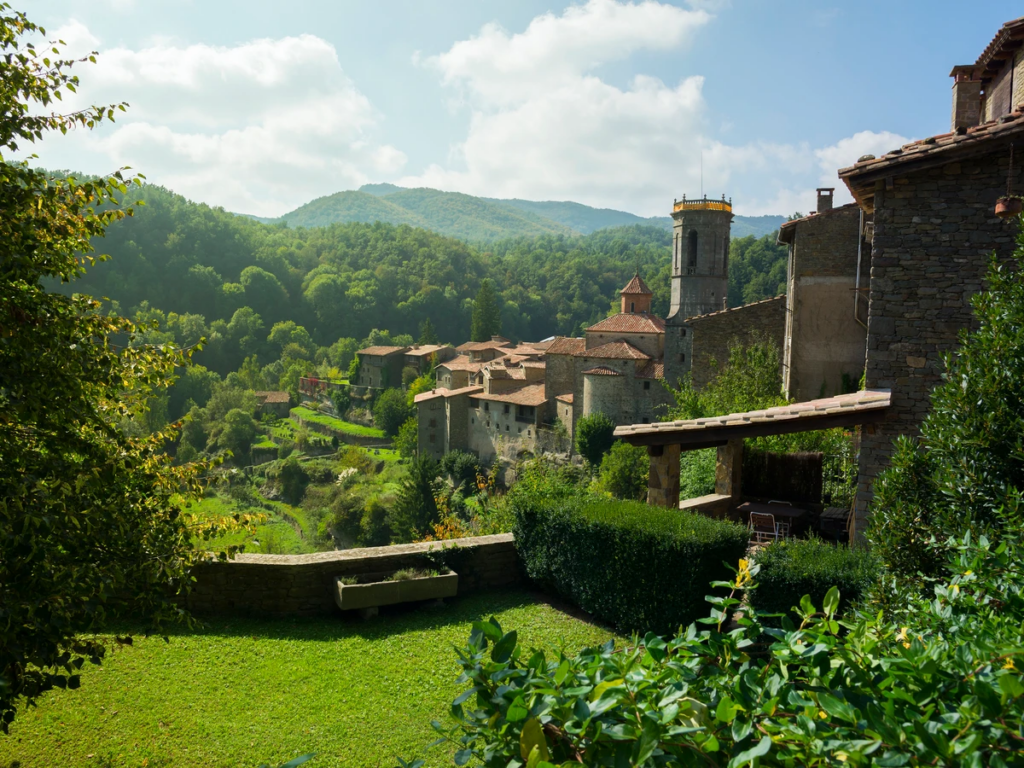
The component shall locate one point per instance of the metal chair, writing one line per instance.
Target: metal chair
(763, 528)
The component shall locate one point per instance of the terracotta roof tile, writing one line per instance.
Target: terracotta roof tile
(425, 349)
(629, 323)
(601, 370)
(614, 350)
(565, 345)
(442, 392)
(272, 397)
(381, 350)
(566, 398)
(636, 287)
(654, 369)
(531, 394)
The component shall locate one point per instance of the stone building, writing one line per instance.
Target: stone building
(934, 233)
(277, 403)
(381, 367)
(826, 300)
(422, 357)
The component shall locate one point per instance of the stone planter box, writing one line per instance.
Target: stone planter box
(374, 593)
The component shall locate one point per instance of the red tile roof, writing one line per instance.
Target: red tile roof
(614, 350)
(479, 346)
(601, 370)
(935, 150)
(629, 323)
(531, 394)
(381, 350)
(442, 392)
(425, 349)
(565, 345)
(566, 398)
(1003, 42)
(636, 287)
(654, 369)
(272, 397)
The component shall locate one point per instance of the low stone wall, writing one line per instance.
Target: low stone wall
(366, 441)
(303, 585)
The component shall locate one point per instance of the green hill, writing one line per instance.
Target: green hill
(348, 207)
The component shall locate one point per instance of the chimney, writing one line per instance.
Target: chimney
(825, 198)
(966, 99)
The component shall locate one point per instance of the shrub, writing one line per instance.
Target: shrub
(594, 437)
(624, 471)
(391, 411)
(792, 569)
(406, 442)
(461, 467)
(293, 480)
(637, 567)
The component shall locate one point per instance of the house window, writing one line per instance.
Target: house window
(487, 407)
(647, 385)
(506, 407)
(506, 427)
(682, 358)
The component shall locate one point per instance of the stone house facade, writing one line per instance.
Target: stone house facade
(934, 234)
(826, 300)
(422, 357)
(277, 403)
(381, 367)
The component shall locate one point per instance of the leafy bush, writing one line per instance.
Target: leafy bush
(594, 437)
(938, 686)
(406, 441)
(391, 411)
(624, 471)
(461, 467)
(293, 480)
(798, 567)
(697, 473)
(637, 567)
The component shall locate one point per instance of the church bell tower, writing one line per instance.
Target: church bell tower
(700, 273)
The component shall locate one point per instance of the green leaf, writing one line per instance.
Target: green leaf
(532, 738)
(726, 710)
(299, 760)
(463, 756)
(831, 603)
(502, 650)
(759, 750)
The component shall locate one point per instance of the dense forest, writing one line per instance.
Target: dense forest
(233, 279)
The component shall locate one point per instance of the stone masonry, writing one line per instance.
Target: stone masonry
(708, 337)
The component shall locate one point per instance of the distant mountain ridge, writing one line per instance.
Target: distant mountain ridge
(482, 219)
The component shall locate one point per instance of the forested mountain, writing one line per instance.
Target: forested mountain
(232, 279)
(482, 219)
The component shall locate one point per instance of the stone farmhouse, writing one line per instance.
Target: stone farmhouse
(381, 367)
(881, 286)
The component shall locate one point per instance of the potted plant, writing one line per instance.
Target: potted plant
(1009, 206)
(369, 591)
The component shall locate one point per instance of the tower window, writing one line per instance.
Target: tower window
(632, 307)
(691, 249)
(647, 385)
(682, 357)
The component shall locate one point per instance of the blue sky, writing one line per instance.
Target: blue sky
(260, 106)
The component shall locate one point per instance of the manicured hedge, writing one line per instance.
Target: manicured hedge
(794, 568)
(640, 568)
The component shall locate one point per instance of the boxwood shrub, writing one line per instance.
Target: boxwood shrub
(637, 567)
(794, 568)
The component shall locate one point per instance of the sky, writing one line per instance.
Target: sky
(260, 106)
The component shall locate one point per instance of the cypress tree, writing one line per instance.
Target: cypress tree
(427, 333)
(486, 313)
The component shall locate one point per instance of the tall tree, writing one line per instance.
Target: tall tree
(427, 333)
(486, 313)
(91, 524)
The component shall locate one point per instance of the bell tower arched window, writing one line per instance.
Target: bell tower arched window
(691, 252)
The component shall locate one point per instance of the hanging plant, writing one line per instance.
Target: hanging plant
(1011, 205)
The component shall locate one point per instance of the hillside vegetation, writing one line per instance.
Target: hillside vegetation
(482, 219)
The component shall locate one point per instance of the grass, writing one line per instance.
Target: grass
(337, 425)
(244, 691)
(275, 536)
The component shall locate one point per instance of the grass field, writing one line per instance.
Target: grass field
(274, 536)
(243, 691)
(336, 424)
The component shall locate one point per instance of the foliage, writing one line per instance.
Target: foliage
(594, 437)
(427, 333)
(238, 434)
(624, 471)
(293, 479)
(418, 386)
(415, 510)
(697, 472)
(90, 522)
(638, 567)
(341, 399)
(757, 269)
(942, 688)
(965, 471)
(337, 425)
(486, 313)
(391, 411)
(406, 441)
(463, 468)
(793, 568)
(315, 679)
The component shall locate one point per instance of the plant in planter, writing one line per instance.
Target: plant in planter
(1010, 205)
(367, 592)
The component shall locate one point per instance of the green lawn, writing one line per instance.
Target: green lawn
(245, 691)
(336, 424)
(275, 535)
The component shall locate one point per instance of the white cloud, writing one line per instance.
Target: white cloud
(259, 128)
(543, 125)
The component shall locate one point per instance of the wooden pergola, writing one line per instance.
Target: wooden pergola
(666, 440)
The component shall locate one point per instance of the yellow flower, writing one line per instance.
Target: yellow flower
(956, 589)
(902, 634)
(1009, 665)
(822, 714)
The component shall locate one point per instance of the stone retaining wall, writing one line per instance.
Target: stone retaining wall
(366, 441)
(303, 585)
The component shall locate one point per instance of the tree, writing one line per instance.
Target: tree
(238, 434)
(293, 480)
(91, 523)
(415, 509)
(407, 439)
(391, 411)
(427, 333)
(624, 471)
(594, 437)
(486, 313)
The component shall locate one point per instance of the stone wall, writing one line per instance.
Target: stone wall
(432, 427)
(493, 432)
(933, 236)
(712, 335)
(303, 585)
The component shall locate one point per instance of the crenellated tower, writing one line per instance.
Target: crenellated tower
(700, 273)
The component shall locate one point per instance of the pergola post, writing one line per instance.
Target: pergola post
(729, 470)
(663, 479)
